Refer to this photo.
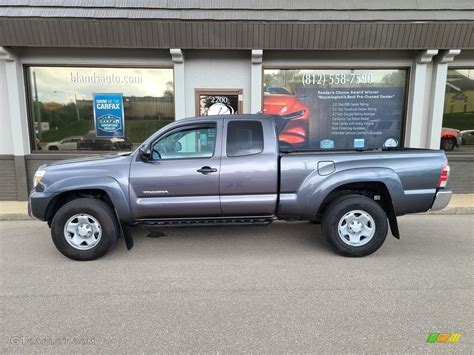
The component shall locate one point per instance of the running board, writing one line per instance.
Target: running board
(212, 221)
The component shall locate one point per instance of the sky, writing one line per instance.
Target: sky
(469, 73)
(59, 84)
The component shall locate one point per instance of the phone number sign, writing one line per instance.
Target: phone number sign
(109, 115)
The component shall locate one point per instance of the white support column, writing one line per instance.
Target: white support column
(438, 89)
(179, 84)
(414, 138)
(256, 81)
(15, 89)
(17, 102)
(6, 141)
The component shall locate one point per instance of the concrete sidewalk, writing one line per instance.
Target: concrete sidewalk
(18, 210)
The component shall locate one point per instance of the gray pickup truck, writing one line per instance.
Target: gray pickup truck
(228, 170)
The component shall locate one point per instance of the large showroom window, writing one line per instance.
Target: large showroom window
(459, 108)
(337, 108)
(97, 109)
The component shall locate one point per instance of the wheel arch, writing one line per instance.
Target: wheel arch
(370, 189)
(105, 189)
(324, 188)
(69, 195)
(375, 190)
(366, 181)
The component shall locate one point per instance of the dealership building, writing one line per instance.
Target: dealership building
(347, 74)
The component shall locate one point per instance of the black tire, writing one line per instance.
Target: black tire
(53, 147)
(345, 204)
(448, 144)
(99, 210)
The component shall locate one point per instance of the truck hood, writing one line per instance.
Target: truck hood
(82, 170)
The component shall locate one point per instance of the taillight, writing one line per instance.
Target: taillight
(443, 178)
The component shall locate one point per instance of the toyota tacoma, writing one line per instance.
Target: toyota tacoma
(231, 170)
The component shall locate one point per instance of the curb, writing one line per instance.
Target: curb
(453, 210)
(446, 211)
(15, 217)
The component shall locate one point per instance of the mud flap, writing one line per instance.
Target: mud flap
(127, 235)
(392, 219)
(126, 232)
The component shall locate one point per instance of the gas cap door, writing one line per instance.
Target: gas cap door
(326, 167)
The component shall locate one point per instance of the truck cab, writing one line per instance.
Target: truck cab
(213, 168)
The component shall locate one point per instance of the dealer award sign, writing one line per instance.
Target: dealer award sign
(337, 108)
(109, 115)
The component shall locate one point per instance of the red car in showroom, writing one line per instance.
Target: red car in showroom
(450, 138)
(280, 101)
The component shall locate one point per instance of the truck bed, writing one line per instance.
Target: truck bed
(410, 176)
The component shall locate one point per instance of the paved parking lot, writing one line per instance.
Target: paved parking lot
(248, 289)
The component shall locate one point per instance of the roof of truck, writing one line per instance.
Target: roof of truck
(219, 117)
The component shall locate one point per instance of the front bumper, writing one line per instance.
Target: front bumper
(441, 200)
(38, 203)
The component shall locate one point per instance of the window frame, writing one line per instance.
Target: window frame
(216, 92)
(185, 128)
(99, 65)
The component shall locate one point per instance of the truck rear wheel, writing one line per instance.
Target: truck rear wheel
(85, 229)
(355, 225)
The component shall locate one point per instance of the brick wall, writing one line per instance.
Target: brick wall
(461, 179)
(8, 191)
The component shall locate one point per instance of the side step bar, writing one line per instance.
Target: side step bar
(212, 221)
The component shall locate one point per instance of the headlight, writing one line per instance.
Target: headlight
(293, 115)
(38, 176)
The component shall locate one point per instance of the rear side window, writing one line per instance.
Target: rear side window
(244, 138)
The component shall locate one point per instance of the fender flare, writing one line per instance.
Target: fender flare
(315, 188)
(108, 184)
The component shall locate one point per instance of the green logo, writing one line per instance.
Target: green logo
(443, 338)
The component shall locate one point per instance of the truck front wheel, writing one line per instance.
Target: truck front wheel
(355, 225)
(85, 229)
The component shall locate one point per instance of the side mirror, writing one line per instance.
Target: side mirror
(144, 153)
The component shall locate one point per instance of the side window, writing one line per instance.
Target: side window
(197, 142)
(244, 138)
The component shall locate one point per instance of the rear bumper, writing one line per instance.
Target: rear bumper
(441, 200)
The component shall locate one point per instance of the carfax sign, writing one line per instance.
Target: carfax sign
(108, 115)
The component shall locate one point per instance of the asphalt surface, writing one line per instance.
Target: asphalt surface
(240, 289)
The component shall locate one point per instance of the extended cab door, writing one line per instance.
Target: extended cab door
(249, 167)
(182, 177)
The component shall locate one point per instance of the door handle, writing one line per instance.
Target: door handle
(206, 170)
